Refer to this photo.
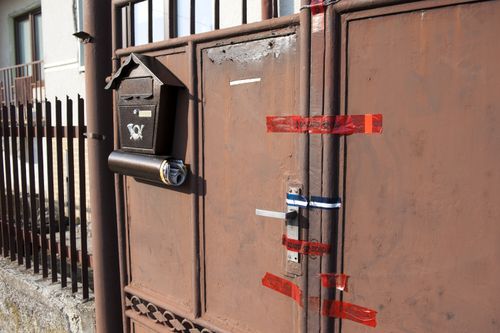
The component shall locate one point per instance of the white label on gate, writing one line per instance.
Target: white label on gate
(245, 81)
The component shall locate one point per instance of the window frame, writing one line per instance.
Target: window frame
(30, 16)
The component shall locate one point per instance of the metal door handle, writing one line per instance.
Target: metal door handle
(292, 225)
(276, 215)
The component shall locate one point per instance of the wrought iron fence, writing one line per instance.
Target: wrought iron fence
(22, 83)
(43, 222)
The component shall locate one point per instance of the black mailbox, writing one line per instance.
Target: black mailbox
(147, 101)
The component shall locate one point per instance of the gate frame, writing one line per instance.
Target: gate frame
(330, 158)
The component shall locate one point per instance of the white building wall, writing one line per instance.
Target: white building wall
(63, 73)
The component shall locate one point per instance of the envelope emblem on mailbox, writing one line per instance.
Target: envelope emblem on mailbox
(135, 131)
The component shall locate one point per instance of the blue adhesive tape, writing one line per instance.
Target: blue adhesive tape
(298, 200)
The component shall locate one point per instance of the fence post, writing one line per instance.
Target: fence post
(97, 23)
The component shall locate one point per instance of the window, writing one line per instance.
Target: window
(28, 37)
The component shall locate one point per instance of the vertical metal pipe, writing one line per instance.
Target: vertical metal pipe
(304, 102)
(97, 22)
(120, 208)
(193, 138)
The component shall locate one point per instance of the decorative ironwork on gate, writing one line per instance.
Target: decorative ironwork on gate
(158, 315)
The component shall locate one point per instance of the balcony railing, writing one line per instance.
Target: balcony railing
(22, 83)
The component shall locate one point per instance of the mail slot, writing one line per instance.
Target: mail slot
(147, 102)
(150, 168)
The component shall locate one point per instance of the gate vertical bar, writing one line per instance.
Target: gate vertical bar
(304, 103)
(24, 188)
(331, 179)
(244, 11)
(60, 194)
(119, 178)
(8, 184)
(32, 188)
(100, 122)
(50, 190)
(83, 198)
(71, 194)
(41, 188)
(3, 199)
(216, 14)
(267, 9)
(275, 11)
(14, 134)
(192, 17)
(193, 138)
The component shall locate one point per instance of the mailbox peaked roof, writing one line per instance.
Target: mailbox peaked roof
(150, 64)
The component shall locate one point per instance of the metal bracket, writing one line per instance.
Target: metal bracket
(292, 232)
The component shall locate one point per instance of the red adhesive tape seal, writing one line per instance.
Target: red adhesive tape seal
(332, 280)
(330, 308)
(308, 248)
(283, 286)
(317, 7)
(340, 125)
(344, 310)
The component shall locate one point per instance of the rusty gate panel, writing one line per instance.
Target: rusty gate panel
(422, 238)
(160, 221)
(242, 168)
(417, 233)
(245, 168)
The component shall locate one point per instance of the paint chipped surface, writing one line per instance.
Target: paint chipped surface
(254, 51)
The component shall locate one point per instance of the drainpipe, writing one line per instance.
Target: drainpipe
(97, 24)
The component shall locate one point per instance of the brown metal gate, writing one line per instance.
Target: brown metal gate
(420, 220)
(417, 233)
(196, 255)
